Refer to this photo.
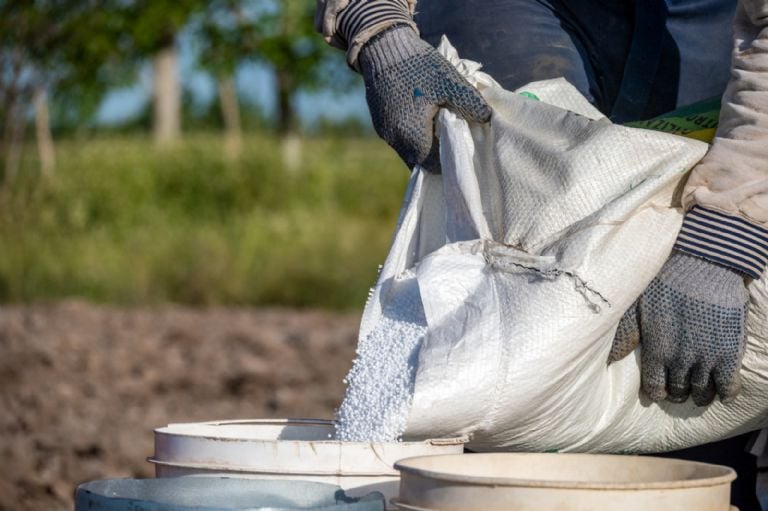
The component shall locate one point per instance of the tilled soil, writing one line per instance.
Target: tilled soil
(82, 386)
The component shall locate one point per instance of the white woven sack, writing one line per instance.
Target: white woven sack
(544, 227)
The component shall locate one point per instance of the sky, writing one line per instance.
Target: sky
(254, 83)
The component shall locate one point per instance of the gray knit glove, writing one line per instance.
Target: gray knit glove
(690, 322)
(406, 82)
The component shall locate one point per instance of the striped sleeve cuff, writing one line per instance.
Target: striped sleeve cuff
(364, 14)
(362, 20)
(724, 239)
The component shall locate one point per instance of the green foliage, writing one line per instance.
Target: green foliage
(80, 49)
(228, 33)
(123, 222)
(71, 45)
(289, 43)
(154, 24)
(93, 53)
(278, 34)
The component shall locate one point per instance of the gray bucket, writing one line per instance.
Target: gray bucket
(201, 493)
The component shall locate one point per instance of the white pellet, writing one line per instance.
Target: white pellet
(381, 382)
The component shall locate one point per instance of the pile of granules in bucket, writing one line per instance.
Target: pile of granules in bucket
(381, 381)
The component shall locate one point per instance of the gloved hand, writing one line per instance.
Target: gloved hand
(690, 323)
(406, 82)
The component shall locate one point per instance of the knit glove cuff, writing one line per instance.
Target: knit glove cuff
(401, 44)
(360, 21)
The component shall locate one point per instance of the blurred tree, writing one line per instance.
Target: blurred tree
(228, 34)
(279, 34)
(64, 45)
(73, 51)
(299, 57)
(22, 33)
(154, 27)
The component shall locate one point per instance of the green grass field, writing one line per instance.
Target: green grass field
(123, 222)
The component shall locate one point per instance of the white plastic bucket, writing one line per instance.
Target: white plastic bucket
(298, 449)
(561, 482)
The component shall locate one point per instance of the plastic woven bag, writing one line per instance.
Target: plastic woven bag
(543, 228)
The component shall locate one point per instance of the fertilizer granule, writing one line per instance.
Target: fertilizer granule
(380, 383)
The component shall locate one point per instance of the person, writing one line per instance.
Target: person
(634, 60)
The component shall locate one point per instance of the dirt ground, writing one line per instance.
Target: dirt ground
(82, 386)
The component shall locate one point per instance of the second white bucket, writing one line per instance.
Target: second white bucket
(299, 449)
(561, 482)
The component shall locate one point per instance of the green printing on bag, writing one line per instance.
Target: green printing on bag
(698, 121)
(529, 95)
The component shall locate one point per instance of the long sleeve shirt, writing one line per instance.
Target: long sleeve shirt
(726, 195)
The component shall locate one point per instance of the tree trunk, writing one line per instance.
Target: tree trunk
(13, 124)
(45, 147)
(291, 149)
(285, 117)
(167, 97)
(230, 113)
(13, 135)
(290, 141)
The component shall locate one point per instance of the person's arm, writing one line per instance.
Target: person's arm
(691, 321)
(406, 80)
(727, 193)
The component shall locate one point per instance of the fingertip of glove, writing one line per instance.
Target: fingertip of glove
(618, 353)
(703, 395)
(727, 388)
(627, 337)
(654, 381)
(729, 395)
(486, 115)
(481, 112)
(432, 161)
(469, 103)
(656, 394)
(620, 350)
(703, 399)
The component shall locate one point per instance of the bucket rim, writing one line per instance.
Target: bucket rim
(726, 477)
(173, 430)
(240, 469)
